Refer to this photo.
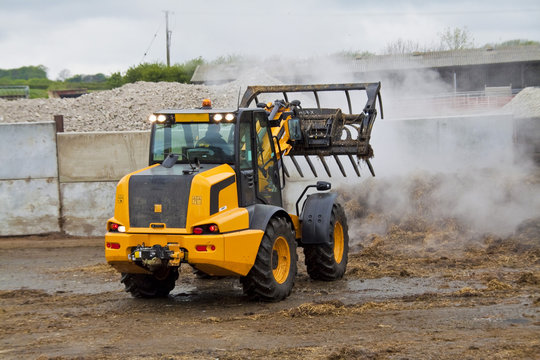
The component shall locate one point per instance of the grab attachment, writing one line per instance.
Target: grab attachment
(320, 133)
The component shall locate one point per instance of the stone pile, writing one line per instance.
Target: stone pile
(127, 107)
(526, 104)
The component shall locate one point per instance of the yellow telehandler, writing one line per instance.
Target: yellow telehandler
(211, 196)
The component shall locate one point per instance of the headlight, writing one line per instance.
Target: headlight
(218, 117)
(152, 118)
(229, 117)
(161, 118)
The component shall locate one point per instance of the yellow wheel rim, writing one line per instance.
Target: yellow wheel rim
(281, 260)
(339, 243)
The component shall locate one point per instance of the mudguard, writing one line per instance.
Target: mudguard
(260, 215)
(315, 218)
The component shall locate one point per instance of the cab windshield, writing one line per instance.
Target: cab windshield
(202, 142)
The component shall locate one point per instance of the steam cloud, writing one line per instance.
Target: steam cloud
(446, 171)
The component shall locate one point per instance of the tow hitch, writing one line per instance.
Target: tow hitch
(158, 256)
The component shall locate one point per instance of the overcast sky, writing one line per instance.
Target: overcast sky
(88, 37)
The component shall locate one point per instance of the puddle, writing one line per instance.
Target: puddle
(55, 270)
(517, 321)
(388, 287)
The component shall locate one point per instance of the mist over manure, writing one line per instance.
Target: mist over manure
(446, 179)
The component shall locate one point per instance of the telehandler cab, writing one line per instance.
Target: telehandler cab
(211, 195)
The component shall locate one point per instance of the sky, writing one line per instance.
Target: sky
(107, 36)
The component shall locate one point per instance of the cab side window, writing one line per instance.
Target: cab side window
(268, 184)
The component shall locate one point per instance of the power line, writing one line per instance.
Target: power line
(151, 42)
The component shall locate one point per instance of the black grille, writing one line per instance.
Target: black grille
(159, 186)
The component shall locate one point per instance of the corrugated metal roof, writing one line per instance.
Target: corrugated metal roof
(454, 58)
(438, 59)
(215, 73)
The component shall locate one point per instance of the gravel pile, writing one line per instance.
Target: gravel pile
(526, 104)
(127, 107)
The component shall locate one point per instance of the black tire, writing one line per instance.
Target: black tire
(272, 276)
(328, 261)
(149, 285)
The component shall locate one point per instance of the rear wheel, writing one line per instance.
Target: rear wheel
(328, 261)
(272, 276)
(150, 285)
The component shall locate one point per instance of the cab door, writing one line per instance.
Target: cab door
(257, 166)
(267, 174)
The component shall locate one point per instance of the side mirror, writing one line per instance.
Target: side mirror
(323, 185)
(295, 133)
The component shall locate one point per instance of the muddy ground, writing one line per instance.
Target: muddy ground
(398, 300)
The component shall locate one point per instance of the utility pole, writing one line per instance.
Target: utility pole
(168, 38)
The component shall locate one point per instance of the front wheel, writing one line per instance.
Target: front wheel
(272, 276)
(150, 285)
(328, 261)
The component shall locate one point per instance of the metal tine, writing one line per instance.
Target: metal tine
(355, 167)
(340, 165)
(297, 166)
(311, 165)
(370, 167)
(284, 167)
(325, 165)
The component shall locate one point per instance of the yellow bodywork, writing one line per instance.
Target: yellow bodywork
(230, 252)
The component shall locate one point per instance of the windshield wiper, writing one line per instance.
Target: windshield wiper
(172, 158)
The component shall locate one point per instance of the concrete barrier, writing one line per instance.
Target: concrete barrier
(90, 164)
(28, 150)
(101, 156)
(29, 207)
(86, 206)
(74, 192)
(29, 193)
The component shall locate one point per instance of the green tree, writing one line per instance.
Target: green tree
(25, 73)
(115, 80)
(155, 72)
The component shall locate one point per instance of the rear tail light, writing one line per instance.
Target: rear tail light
(205, 247)
(198, 230)
(206, 229)
(114, 227)
(114, 246)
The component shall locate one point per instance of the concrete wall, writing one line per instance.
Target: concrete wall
(101, 156)
(90, 165)
(86, 206)
(42, 192)
(29, 193)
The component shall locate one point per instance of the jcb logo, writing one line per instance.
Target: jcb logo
(196, 200)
